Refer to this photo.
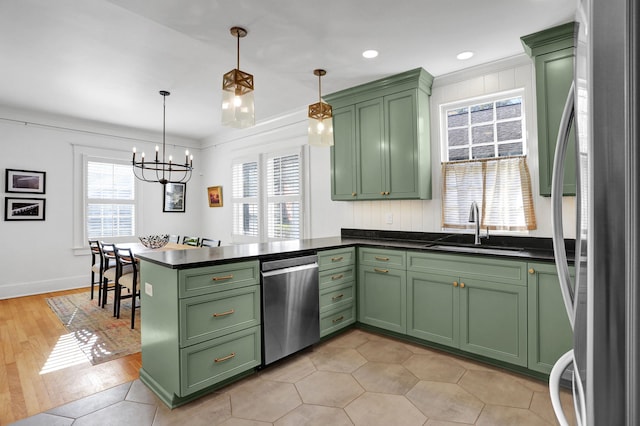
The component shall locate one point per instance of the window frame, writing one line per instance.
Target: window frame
(263, 199)
(470, 102)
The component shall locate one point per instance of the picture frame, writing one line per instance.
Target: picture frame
(173, 200)
(24, 208)
(214, 195)
(25, 181)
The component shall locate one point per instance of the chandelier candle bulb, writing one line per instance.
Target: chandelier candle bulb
(134, 154)
(157, 153)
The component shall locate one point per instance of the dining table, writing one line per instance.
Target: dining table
(139, 248)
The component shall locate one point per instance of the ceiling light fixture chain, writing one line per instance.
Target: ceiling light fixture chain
(162, 171)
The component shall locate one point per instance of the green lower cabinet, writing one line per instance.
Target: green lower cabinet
(493, 320)
(433, 308)
(550, 333)
(382, 298)
(337, 319)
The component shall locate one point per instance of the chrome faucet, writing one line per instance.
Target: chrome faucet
(474, 216)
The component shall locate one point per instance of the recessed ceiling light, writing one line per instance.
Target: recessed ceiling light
(370, 54)
(464, 55)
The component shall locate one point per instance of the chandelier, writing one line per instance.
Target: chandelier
(238, 108)
(163, 171)
(320, 118)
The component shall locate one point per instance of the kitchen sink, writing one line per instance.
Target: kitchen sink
(473, 248)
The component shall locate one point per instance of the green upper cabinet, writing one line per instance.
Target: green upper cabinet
(382, 147)
(553, 52)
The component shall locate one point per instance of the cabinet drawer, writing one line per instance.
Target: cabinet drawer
(333, 277)
(483, 267)
(334, 297)
(198, 281)
(328, 259)
(382, 258)
(336, 319)
(210, 362)
(214, 315)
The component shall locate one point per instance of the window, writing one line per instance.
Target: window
(271, 184)
(110, 200)
(484, 161)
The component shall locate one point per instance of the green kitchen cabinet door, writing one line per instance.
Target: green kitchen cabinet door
(401, 145)
(550, 334)
(370, 150)
(493, 320)
(382, 298)
(343, 155)
(433, 308)
(553, 52)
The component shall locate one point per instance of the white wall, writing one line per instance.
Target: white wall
(41, 256)
(328, 217)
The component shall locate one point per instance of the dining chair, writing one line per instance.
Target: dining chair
(109, 271)
(96, 266)
(129, 278)
(174, 239)
(191, 241)
(208, 242)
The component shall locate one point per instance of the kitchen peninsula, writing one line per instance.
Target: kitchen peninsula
(201, 316)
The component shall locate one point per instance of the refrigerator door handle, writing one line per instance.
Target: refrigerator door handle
(554, 385)
(562, 265)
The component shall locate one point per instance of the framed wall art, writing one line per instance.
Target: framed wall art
(24, 208)
(25, 181)
(174, 197)
(215, 196)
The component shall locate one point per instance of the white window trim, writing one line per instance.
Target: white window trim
(240, 238)
(81, 155)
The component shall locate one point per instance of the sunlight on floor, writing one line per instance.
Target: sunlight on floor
(65, 353)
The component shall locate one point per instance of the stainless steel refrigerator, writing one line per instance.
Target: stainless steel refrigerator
(603, 300)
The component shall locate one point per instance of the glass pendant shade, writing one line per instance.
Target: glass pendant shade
(320, 119)
(238, 108)
(320, 125)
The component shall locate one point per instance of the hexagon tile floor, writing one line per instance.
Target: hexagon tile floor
(357, 378)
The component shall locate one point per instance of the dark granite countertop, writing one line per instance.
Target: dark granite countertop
(522, 248)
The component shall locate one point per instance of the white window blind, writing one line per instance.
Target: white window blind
(110, 200)
(284, 196)
(245, 198)
(268, 197)
(484, 161)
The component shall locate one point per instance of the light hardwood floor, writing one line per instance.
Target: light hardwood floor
(29, 331)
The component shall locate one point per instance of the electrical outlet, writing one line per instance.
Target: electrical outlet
(389, 218)
(148, 289)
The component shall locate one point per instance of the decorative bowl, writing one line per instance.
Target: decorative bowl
(155, 241)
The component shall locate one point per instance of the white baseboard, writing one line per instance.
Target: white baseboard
(8, 291)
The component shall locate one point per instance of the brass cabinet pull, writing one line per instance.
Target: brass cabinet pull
(353, 194)
(382, 193)
(337, 259)
(226, 277)
(455, 283)
(225, 358)
(337, 277)
(340, 318)
(461, 285)
(386, 193)
(384, 259)
(222, 314)
(532, 271)
(382, 271)
(340, 296)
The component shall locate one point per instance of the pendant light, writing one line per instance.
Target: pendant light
(237, 92)
(320, 118)
(163, 171)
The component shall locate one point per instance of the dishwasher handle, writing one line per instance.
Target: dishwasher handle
(290, 269)
(289, 263)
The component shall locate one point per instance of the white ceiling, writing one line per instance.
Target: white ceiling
(106, 60)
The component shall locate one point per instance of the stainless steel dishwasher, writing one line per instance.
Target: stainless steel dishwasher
(290, 306)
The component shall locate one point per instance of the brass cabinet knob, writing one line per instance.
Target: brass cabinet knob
(353, 194)
(532, 271)
(381, 192)
(455, 283)
(461, 285)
